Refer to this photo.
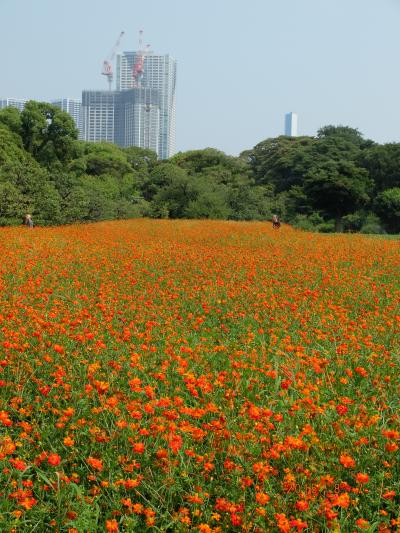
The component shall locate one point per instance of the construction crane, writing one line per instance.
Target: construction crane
(107, 63)
(138, 67)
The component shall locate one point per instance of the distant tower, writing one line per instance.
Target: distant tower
(291, 124)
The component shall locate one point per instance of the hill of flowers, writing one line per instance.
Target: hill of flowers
(198, 376)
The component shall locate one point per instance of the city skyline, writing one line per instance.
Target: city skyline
(240, 70)
(139, 112)
(70, 105)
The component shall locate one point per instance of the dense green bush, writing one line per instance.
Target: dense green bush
(336, 181)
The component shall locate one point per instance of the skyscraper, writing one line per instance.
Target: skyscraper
(99, 115)
(138, 118)
(19, 103)
(291, 124)
(159, 73)
(126, 118)
(72, 107)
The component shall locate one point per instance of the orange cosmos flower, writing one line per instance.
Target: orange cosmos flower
(391, 447)
(362, 478)
(131, 483)
(96, 464)
(5, 419)
(112, 526)
(27, 503)
(341, 500)
(59, 349)
(54, 459)
(262, 498)
(341, 409)
(7, 447)
(138, 447)
(347, 461)
(302, 505)
(389, 495)
(18, 464)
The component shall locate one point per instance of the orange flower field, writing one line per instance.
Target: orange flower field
(198, 376)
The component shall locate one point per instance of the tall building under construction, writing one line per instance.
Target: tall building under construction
(141, 111)
(147, 70)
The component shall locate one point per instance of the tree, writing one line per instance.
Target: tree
(350, 135)
(208, 204)
(383, 164)
(282, 161)
(337, 188)
(12, 204)
(102, 197)
(47, 205)
(48, 133)
(105, 159)
(141, 159)
(76, 205)
(18, 167)
(177, 191)
(163, 174)
(387, 206)
(11, 117)
(197, 161)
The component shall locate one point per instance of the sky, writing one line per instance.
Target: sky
(241, 65)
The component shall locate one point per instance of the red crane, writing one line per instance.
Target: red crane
(138, 67)
(107, 63)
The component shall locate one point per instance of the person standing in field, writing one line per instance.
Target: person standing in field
(28, 221)
(276, 224)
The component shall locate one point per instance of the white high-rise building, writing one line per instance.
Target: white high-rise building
(159, 72)
(291, 121)
(126, 118)
(139, 119)
(12, 102)
(73, 107)
(99, 116)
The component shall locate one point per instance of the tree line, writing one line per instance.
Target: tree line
(335, 181)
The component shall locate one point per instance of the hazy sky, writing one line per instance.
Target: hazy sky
(241, 64)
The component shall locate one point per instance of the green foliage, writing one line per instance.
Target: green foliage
(104, 158)
(337, 179)
(11, 118)
(176, 190)
(350, 135)
(282, 161)
(76, 205)
(383, 164)
(337, 188)
(322, 174)
(387, 206)
(48, 133)
(372, 225)
(11, 204)
(253, 203)
(313, 222)
(140, 159)
(47, 205)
